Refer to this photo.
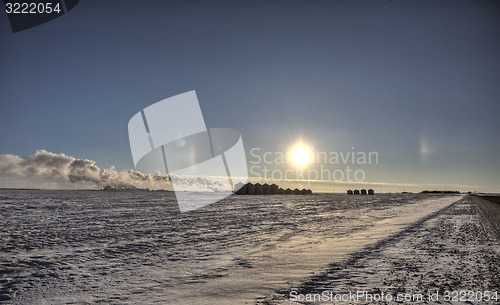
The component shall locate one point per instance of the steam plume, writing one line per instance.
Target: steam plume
(47, 170)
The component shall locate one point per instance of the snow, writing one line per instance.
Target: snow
(78, 247)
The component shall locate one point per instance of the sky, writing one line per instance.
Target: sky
(417, 82)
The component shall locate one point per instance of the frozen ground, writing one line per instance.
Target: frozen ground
(455, 251)
(81, 247)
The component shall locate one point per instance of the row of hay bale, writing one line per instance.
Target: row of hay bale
(362, 192)
(266, 189)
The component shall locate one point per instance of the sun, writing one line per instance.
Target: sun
(301, 156)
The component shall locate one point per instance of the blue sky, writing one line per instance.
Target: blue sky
(415, 81)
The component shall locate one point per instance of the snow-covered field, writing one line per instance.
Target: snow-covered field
(452, 258)
(79, 247)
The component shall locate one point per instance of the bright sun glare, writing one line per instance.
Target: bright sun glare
(301, 156)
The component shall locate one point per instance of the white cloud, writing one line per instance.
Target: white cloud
(47, 170)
